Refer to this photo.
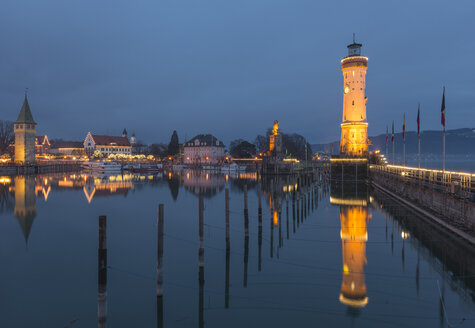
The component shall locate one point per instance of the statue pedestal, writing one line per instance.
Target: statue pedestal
(275, 144)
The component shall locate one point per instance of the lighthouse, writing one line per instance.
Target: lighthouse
(354, 126)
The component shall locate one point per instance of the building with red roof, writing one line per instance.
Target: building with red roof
(106, 144)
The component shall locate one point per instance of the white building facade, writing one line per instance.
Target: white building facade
(203, 149)
(107, 145)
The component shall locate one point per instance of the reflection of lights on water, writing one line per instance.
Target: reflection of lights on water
(5, 180)
(276, 218)
(346, 270)
(188, 176)
(404, 235)
(227, 177)
(207, 176)
(169, 175)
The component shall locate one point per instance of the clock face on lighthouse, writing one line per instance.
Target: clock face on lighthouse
(347, 89)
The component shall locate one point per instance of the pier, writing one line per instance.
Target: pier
(444, 196)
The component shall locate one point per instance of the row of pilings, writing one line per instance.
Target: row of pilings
(304, 200)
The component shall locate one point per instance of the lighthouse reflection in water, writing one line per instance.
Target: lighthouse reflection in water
(353, 201)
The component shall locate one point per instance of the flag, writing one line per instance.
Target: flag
(392, 136)
(442, 110)
(419, 120)
(404, 126)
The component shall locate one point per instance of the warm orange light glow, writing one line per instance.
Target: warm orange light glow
(5, 180)
(275, 128)
(276, 218)
(353, 220)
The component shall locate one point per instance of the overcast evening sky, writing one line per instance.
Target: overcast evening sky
(231, 68)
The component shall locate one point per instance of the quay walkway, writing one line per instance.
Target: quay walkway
(447, 197)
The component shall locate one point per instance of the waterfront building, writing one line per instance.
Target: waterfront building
(25, 131)
(354, 137)
(106, 144)
(68, 148)
(203, 149)
(42, 145)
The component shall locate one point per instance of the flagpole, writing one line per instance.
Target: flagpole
(442, 118)
(393, 149)
(404, 139)
(392, 141)
(404, 151)
(443, 151)
(387, 139)
(419, 136)
(419, 149)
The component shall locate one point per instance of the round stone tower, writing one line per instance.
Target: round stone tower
(354, 126)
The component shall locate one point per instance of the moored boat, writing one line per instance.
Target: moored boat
(147, 168)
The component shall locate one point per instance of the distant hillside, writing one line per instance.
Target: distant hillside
(457, 142)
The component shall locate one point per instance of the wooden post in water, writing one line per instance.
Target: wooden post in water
(226, 196)
(246, 236)
(287, 214)
(228, 250)
(293, 210)
(102, 273)
(160, 235)
(246, 213)
(201, 274)
(259, 235)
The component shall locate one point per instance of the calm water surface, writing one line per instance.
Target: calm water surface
(331, 256)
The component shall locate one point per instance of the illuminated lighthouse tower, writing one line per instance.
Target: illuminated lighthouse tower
(354, 137)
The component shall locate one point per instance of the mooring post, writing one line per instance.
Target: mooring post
(160, 234)
(287, 213)
(259, 232)
(201, 273)
(228, 251)
(246, 213)
(226, 196)
(200, 231)
(102, 273)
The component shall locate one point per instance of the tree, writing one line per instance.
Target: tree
(173, 146)
(294, 145)
(158, 150)
(242, 149)
(261, 143)
(98, 154)
(6, 135)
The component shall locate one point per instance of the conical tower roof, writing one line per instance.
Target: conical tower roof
(25, 115)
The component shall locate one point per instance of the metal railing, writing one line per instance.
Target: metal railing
(459, 184)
